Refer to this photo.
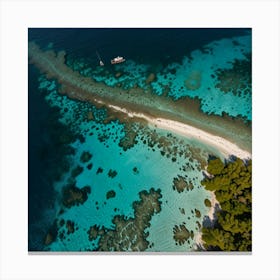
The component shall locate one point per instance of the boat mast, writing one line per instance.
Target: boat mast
(100, 61)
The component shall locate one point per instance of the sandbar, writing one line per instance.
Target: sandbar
(182, 117)
(226, 147)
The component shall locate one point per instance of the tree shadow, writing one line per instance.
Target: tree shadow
(210, 223)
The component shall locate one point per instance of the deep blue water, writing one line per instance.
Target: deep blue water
(46, 152)
(40, 192)
(146, 45)
(48, 149)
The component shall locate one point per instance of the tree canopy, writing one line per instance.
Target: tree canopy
(232, 184)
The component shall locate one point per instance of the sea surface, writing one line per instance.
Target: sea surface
(76, 151)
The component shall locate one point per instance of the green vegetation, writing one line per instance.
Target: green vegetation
(232, 184)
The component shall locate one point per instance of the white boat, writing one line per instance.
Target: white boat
(118, 59)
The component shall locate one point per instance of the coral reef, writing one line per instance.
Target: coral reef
(180, 184)
(237, 79)
(199, 155)
(99, 170)
(112, 173)
(49, 156)
(118, 74)
(70, 225)
(193, 80)
(197, 213)
(94, 232)
(82, 88)
(51, 234)
(89, 166)
(48, 239)
(90, 116)
(171, 147)
(128, 141)
(110, 194)
(207, 202)
(150, 78)
(71, 195)
(85, 157)
(182, 210)
(181, 234)
(129, 233)
(77, 171)
(135, 170)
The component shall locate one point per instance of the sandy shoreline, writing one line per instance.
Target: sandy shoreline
(214, 203)
(183, 117)
(198, 241)
(234, 135)
(226, 147)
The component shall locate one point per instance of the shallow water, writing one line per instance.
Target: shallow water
(198, 71)
(153, 170)
(155, 158)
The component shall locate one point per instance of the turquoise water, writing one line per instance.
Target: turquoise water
(156, 157)
(200, 67)
(153, 171)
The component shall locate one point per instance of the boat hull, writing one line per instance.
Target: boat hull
(117, 61)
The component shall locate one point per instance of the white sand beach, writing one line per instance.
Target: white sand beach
(198, 241)
(226, 147)
(214, 204)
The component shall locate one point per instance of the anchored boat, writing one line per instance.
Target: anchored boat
(118, 59)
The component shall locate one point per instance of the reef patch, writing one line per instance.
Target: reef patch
(180, 184)
(110, 194)
(71, 195)
(237, 79)
(181, 234)
(129, 233)
(85, 157)
(193, 80)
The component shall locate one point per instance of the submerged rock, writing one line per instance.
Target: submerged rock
(197, 213)
(112, 173)
(181, 234)
(180, 184)
(85, 157)
(207, 202)
(110, 194)
(150, 78)
(129, 233)
(77, 171)
(74, 196)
